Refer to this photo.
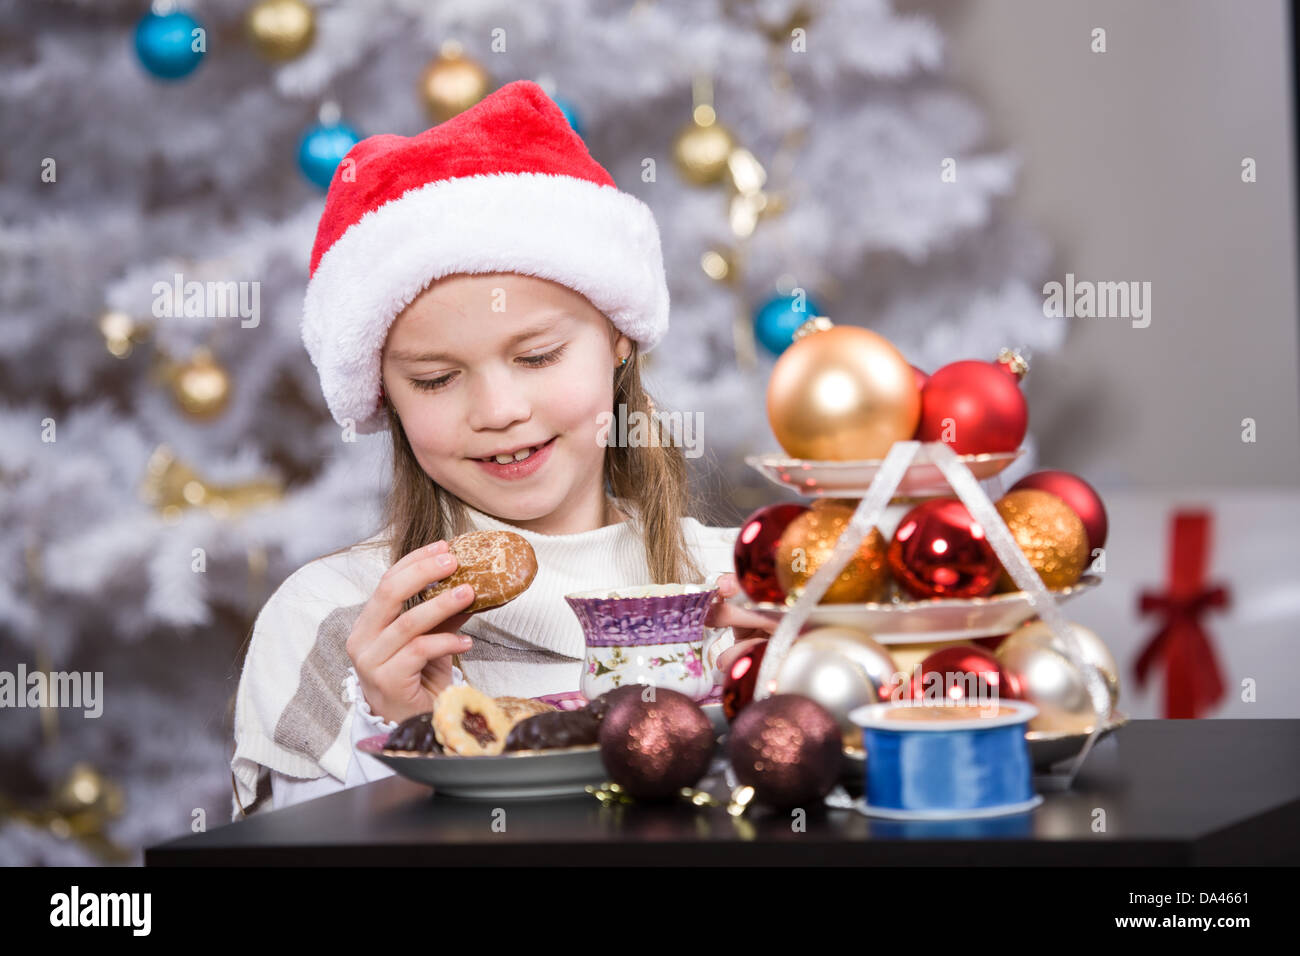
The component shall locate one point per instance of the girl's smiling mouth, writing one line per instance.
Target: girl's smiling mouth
(518, 463)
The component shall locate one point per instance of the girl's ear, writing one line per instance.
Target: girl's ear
(622, 349)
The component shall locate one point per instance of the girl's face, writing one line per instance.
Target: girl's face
(486, 365)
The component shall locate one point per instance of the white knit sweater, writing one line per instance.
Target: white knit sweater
(299, 711)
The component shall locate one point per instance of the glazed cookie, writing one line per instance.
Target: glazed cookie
(499, 565)
(520, 708)
(468, 722)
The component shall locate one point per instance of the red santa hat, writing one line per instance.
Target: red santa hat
(506, 186)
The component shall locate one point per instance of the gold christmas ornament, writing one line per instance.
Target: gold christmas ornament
(700, 149)
(84, 790)
(1095, 651)
(280, 30)
(807, 543)
(719, 265)
(840, 668)
(121, 332)
(171, 486)
(1045, 677)
(1050, 534)
(842, 394)
(201, 386)
(453, 83)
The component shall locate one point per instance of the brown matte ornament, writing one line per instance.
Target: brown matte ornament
(1049, 533)
(654, 748)
(842, 394)
(788, 748)
(807, 543)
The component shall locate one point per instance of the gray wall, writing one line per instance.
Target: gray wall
(1132, 168)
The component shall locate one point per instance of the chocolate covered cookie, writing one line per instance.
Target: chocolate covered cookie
(561, 728)
(415, 734)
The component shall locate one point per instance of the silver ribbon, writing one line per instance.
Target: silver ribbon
(1027, 579)
(865, 517)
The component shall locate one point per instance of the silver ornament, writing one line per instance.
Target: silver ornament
(1095, 651)
(840, 668)
(1048, 679)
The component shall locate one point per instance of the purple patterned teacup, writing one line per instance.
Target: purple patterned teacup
(646, 634)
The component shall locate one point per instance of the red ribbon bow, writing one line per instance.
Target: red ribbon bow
(1193, 682)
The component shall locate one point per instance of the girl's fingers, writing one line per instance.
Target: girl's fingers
(728, 657)
(435, 614)
(406, 578)
(728, 615)
(412, 659)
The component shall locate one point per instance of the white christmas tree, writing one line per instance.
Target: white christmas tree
(880, 202)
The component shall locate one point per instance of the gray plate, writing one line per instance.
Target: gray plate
(1048, 749)
(524, 774)
(521, 774)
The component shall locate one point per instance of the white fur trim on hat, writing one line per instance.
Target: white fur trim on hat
(596, 240)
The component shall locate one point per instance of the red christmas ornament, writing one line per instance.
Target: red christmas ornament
(789, 748)
(939, 550)
(1082, 499)
(741, 679)
(961, 673)
(975, 407)
(755, 554)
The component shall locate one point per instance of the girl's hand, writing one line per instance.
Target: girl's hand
(403, 660)
(748, 627)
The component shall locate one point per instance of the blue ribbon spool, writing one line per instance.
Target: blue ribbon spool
(942, 769)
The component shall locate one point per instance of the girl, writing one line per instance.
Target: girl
(482, 291)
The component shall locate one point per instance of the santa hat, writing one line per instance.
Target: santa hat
(506, 186)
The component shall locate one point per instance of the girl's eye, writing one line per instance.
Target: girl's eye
(538, 361)
(532, 361)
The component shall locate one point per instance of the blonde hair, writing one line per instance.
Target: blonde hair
(652, 479)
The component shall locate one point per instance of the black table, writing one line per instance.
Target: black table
(1193, 792)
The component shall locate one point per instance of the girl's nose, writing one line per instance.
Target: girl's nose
(497, 401)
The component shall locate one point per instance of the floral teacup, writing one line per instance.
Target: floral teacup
(647, 634)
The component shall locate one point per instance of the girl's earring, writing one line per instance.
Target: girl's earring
(622, 363)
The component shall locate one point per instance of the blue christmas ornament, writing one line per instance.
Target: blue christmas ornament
(570, 113)
(779, 317)
(166, 44)
(323, 148)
